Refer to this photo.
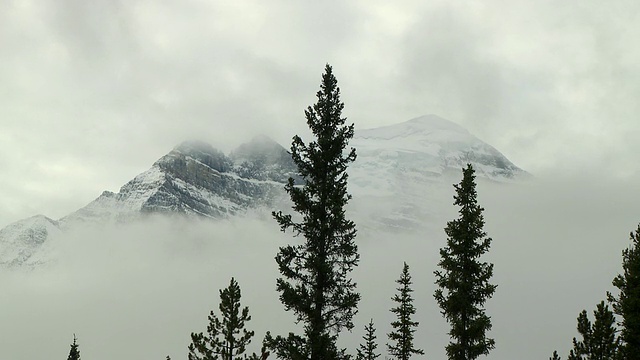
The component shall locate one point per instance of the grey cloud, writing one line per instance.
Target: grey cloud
(145, 286)
(100, 90)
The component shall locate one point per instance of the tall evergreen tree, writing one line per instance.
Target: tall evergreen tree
(463, 281)
(627, 303)
(403, 328)
(74, 353)
(367, 351)
(599, 340)
(315, 282)
(226, 338)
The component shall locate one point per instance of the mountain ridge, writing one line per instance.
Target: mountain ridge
(394, 165)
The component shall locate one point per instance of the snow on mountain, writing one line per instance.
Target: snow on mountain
(194, 179)
(404, 172)
(428, 146)
(399, 169)
(21, 239)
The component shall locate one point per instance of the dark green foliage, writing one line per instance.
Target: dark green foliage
(367, 351)
(74, 353)
(573, 356)
(264, 352)
(315, 281)
(226, 338)
(555, 356)
(627, 304)
(403, 328)
(599, 340)
(464, 280)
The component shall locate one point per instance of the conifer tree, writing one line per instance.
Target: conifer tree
(627, 304)
(463, 281)
(555, 356)
(403, 328)
(226, 338)
(599, 340)
(367, 351)
(74, 353)
(573, 355)
(315, 282)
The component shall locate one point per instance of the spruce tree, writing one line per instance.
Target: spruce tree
(74, 353)
(599, 340)
(315, 282)
(463, 281)
(227, 337)
(627, 304)
(403, 328)
(555, 356)
(367, 351)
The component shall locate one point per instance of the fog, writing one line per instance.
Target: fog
(137, 291)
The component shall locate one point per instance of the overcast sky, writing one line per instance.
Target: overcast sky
(93, 92)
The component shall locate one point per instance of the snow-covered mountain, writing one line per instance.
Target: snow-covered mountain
(196, 179)
(404, 172)
(395, 166)
(428, 147)
(20, 240)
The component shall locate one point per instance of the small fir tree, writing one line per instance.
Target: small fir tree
(627, 304)
(226, 338)
(367, 351)
(315, 282)
(463, 282)
(403, 328)
(599, 340)
(555, 356)
(74, 353)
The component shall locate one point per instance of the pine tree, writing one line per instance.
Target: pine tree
(367, 351)
(463, 282)
(74, 353)
(604, 342)
(555, 356)
(404, 327)
(627, 304)
(227, 337)
(315, 282)
(599, 340)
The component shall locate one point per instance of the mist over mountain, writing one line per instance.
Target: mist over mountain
(141, 267)
(399, 169)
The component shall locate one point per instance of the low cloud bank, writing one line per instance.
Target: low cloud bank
(137, 291)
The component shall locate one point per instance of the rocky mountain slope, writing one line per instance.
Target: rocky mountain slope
(196, 179)
(399, 167)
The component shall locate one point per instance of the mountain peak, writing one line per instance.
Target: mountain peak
(426, 125)
(394, 162)
(259, 146)
(430, 146)
(195, 147)
(197, 150)
(19, 240)
(432, 122)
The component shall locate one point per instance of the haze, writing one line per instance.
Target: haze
(94, 92)
(138, 291)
